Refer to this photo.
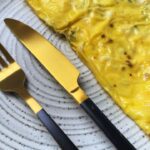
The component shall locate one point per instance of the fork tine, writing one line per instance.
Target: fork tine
(2, 62)
(6, 54)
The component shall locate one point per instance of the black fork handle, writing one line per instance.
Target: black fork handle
(61, 138)
(57, 133)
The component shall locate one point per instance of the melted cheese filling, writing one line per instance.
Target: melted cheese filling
(113, 39)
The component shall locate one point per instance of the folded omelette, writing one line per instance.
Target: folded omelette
(112, 37)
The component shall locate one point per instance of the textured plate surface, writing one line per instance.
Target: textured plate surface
(21, 130)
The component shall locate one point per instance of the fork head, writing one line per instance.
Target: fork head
(11, 75)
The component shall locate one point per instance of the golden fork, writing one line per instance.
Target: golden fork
(12, 79)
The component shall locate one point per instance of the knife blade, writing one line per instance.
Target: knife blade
(67, 75)
(56, 63)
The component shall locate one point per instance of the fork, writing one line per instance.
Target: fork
(12, 79)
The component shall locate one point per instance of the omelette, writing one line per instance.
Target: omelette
(112, 37)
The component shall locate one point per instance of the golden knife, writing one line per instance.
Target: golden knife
(67, 75)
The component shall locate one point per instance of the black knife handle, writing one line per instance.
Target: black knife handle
(61, 138)
(108, 128)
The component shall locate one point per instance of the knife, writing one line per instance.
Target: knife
(67, 75)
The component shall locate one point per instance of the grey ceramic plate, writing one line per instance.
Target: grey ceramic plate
(21, 130)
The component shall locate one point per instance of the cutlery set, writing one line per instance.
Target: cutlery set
(12, 79)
